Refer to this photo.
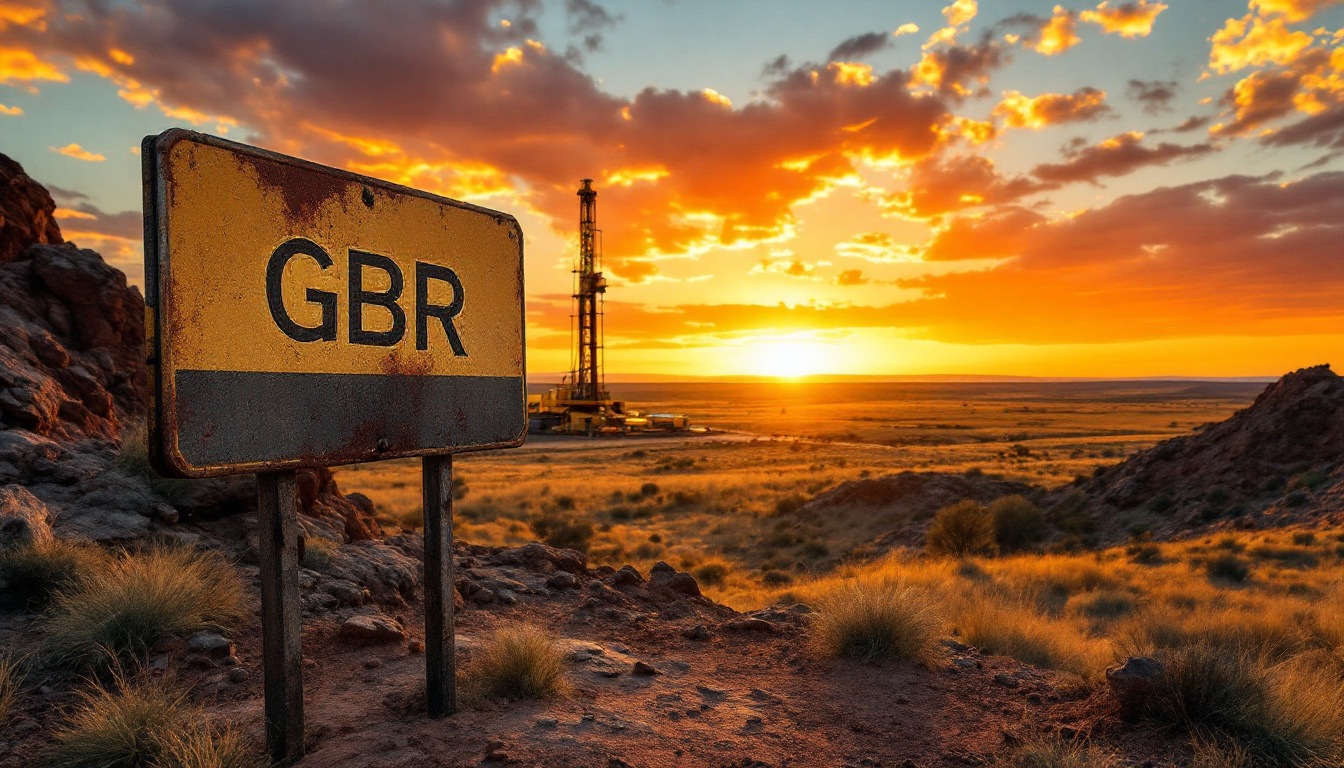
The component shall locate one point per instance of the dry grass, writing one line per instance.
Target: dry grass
(11, 683)
(877, 621)
(317, 552)
(118, 612)
(517, 662)
(144, 723)
(35, 572)
(1284, 714)
(1054, 753)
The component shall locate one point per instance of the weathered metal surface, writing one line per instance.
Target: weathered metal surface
(306, 316)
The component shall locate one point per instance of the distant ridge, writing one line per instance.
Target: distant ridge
(928, 378)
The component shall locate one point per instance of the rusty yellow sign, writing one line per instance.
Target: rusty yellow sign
(303, 316)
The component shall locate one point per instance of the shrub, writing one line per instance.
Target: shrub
(648, 489)
(787, 505)
(774, 578)
(877, 622)
(711, 574)
(1306, 481)
(1053, 753)
(1304, 538)
(1017, 523)
(1229, 567)
(144, 723)
(35, 572)
(122, 609)
(1283, 715)
(317, 552)
(11, 679)
(518, 662)
(563, 531)
(961, 529)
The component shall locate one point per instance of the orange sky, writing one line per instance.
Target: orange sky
(1113, 189)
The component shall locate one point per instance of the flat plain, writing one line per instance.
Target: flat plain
(713, 502)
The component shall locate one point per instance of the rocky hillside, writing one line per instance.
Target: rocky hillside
(1275, 463)
(72, 361)
(870, 516)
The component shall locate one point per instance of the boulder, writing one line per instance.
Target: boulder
(211, 644)
(24, 519)
(372, 628)
(387, 573)
(535, 554)
(1134, 681)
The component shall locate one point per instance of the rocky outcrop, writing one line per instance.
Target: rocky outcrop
(72, 361)
(1278, 462)
(27, 212)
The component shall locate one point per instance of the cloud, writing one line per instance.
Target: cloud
(1134, 19)
(958, 71)
(999, 234)
(78, 153)
(906, 29)
(1116, 156)
(877, 247)
(1058, 34)
(589, 19)
(850, 277)
(284, 72)
(1154, 95)
(1192, 123)
(935, 186)
(960, 12)
(1266, 95)
(1253, 41)
(1325, 129)
(860, 46)
(787, 266)
(22, 65)
(1020, 111)
(1293, 10)
(1229, 256)
(11, 111)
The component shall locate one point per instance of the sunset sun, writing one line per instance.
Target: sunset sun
(790, 359)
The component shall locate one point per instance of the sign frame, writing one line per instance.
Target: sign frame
(164, 450)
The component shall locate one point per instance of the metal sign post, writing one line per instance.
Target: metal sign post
(304, 316)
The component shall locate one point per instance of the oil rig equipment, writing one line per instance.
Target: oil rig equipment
(581, 403)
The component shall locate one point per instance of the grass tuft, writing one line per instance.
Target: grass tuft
(1285, 714)
(36, 572)
(518, 662)
(11, 681)
(117, 613)
(144, 723)
(877, 622)
(1053, 753)
(317, 553)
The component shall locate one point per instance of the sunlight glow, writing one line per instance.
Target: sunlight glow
(790, 358)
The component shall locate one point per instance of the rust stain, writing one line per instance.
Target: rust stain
(302, 191)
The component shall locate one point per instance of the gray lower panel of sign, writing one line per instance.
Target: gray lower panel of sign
(233, 417)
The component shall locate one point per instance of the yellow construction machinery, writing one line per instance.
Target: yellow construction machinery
(581, 404)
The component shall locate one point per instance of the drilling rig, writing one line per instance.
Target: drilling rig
(581, 404)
